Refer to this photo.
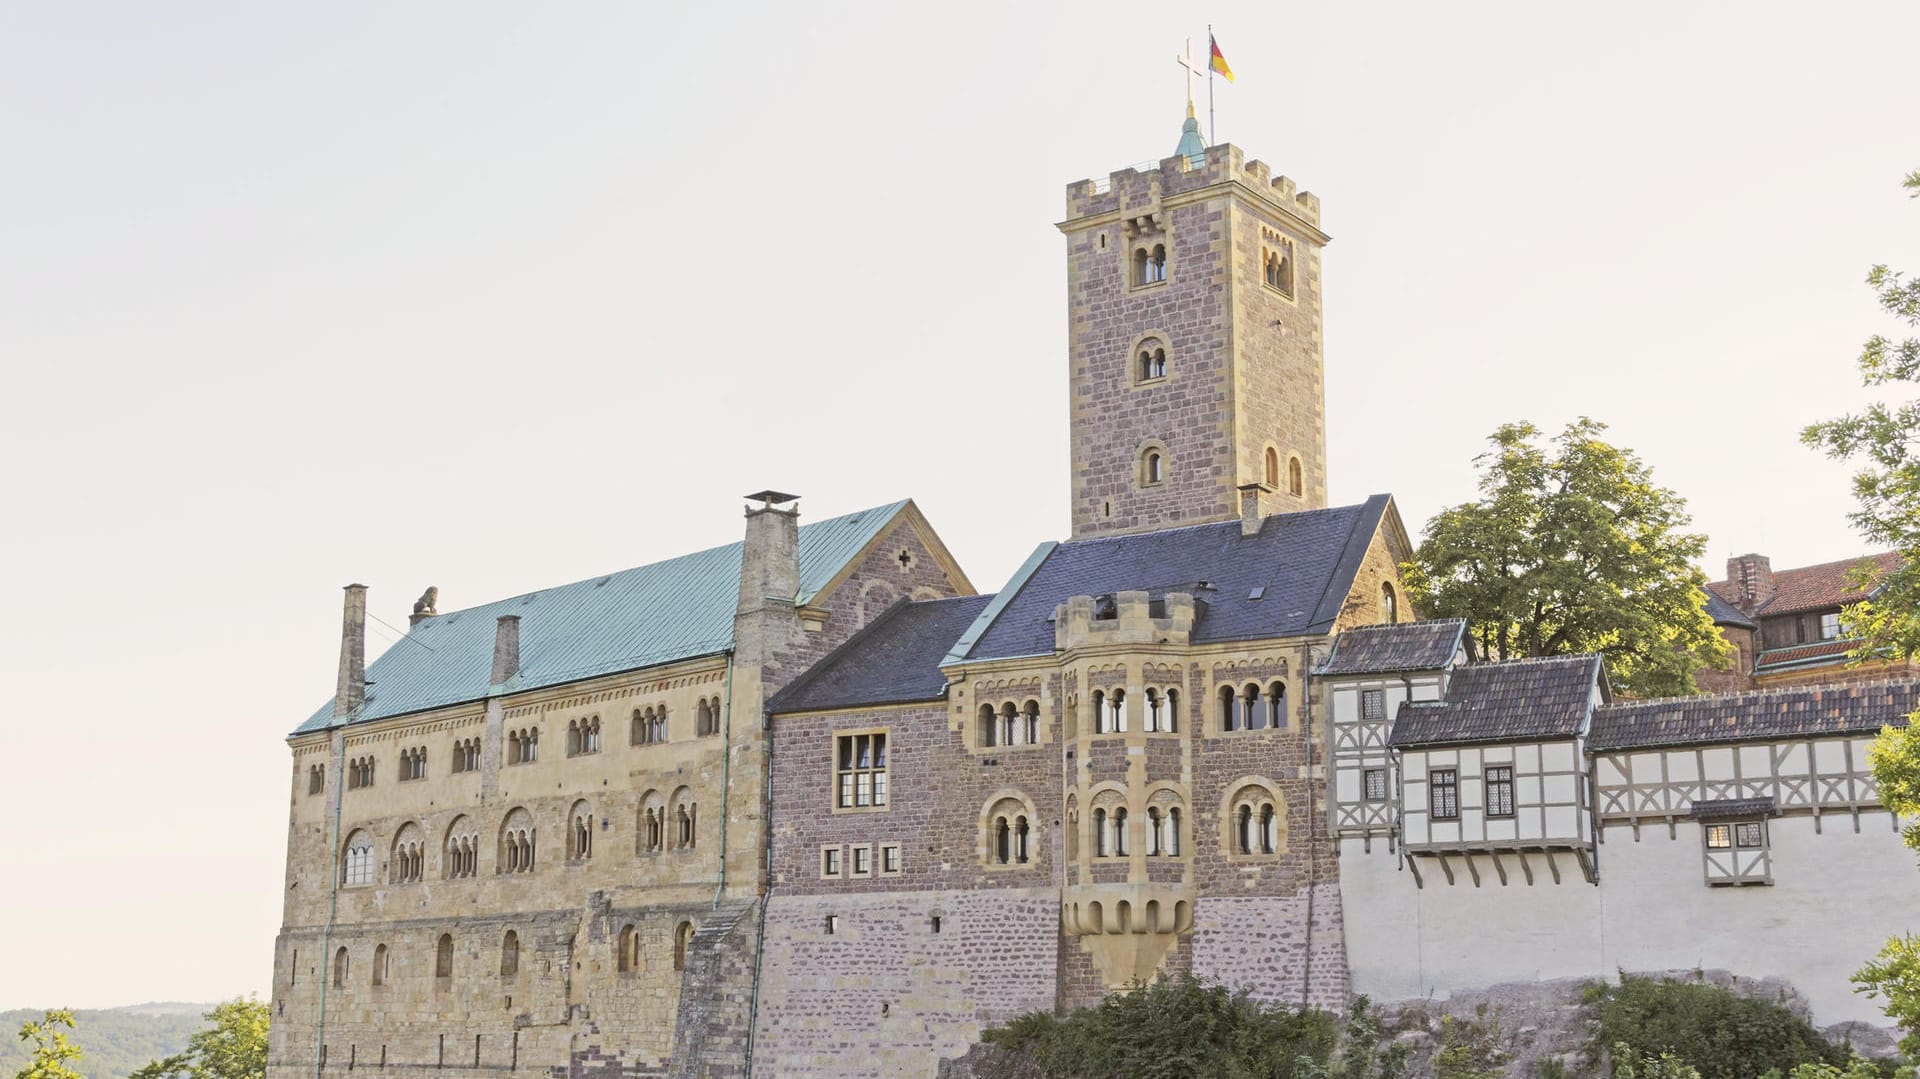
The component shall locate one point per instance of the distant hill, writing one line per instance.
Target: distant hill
(116, 1040)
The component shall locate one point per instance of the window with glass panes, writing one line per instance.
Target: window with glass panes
(1443, 794)
(1376, 779)
(861, 772)
(1500, 790)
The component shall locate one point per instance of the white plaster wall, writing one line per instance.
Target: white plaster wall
(1837, 896)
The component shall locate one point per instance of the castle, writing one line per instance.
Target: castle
(808, 804)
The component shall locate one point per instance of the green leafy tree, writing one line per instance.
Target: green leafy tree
(1573, 548)
(1628, 1064)
(232, 1046)
(1885, 439)
(53, 1053)
(1894, 975)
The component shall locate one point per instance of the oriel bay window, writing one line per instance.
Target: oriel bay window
(861, 771)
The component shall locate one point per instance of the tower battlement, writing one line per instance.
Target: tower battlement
(1150, 183)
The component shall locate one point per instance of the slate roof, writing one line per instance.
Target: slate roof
(1726, 808)
(1303, 565)
(1724, 613)
(894, 660)
(1805, 712)
(1408, 646)
(1807, 588)
(642, 617)
(1522, 700)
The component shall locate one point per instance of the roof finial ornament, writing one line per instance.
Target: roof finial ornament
(1192, 146)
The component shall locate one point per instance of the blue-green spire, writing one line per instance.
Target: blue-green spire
(1192, 146)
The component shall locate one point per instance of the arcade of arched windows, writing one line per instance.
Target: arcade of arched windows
(649, 725)
(360, 773)
(466, 755)
(1159, 710)
(413, 763)
(408, 862)
(580, 832)
(1010, 723)
(1252, 706)
(706, 716)
(1253, 821)
(460, 855)
(583, 736)
(1009, 832)
(523, 745)
(517, 843)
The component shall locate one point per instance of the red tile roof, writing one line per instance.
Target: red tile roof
(1799, 653)
(1806, 588)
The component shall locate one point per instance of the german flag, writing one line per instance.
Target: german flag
(1219, 61)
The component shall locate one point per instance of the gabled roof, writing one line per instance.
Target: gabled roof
(895, 659)
(1521, 700)
(1289, 578)
(1724, 613)
(1806, 712)
(642, 617)
(1386, 649)
(1807, 588)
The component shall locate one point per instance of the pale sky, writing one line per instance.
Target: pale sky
(496, 297)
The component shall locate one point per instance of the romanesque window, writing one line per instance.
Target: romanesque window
(583, 736)
(460, 857)
(1101, 846)
(510, 954)
(580, 832)
(359, 773)
(1030, 718)
(1009, 833)
(1252, 708)
(1149, 264)
(1500, 790)
(682, 937)
(1273, 468)
(1296, 483)
(649, 725)
(1255, 823)
(408, 862)
(1389, 605)
(1010, 725)
(517, 842)
(340, 969)
(523, 745)
(1109, 711)
(1276, 269)
(1073, 829)
(443, 957)
(685, 820)
(1163, 711)
(707, 716)
(1121, 845)
(989, 726)
(466, 755)
(1153, 468)
(1163, 831)
(1443, 794)
(357, 861)
(629, 958)
(860, 776)
(1151, 361)
(316, 779)
(382, 968)
(653, 823)
(1376, 784)
(413, 763)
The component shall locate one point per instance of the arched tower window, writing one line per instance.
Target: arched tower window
(682, 937)
(580, 832)
(510, 954)
(1389, 604)
(340, 968)
(460, 854)
(443, 957)
(1031, 719)
(517, 842)
(1295, 484)
(629, 950)
(1273, 468)
(381, 964)
(1153, 467)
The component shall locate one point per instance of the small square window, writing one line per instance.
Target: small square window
(1376, 783)
(890, 859)
(1747, 835)
(1719, 836)
(833, 924)
(863, 861)
(830, 862)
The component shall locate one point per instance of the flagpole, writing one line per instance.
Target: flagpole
(1210, 137)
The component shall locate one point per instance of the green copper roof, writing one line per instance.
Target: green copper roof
(1192, 146)
(636, 618)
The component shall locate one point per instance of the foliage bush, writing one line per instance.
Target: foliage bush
(1721, 1034)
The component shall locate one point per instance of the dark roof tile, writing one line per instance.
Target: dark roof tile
(1805, 712)
(1522, 700)
(895, 659)
(1408, 646)
(1726, 808)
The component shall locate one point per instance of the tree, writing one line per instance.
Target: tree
(1894, 975)
(1573, 549)
(234, 1046)
(53, 1053)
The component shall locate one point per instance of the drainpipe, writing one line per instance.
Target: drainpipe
(726, 769)
(1313, 819)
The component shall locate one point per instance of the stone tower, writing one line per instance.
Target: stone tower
(1194, 344)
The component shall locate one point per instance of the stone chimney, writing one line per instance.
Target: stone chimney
(350, 692)
(1253, 507)
(770, 557)
(1752, 578)
(506, 649)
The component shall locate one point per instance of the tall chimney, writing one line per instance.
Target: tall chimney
(1752, 578)
(350, 692)
(770, 557)
(1253, 498)
(506, 648)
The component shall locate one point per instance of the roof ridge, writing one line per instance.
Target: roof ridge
(1848, 688)
(1404, 625)
(1576, 657)
(1122, 536)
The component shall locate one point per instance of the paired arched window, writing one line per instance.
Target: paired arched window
(466, 755)
(1163, 831)
(1152, 361)
(1252, 707)
(1009, 833)
(1277, 266)
(686, 814)
(649, 725)
(707, 716)
(1389, 604)
(413, 763)
(460, 857)
(583, 736)
(517, 842)
(1150, 264)
(443, 957)
(1163, 711)
(356, 860)
(653, 823)
(1256, 824)
(1109, 711)
(1110, 832)
(629, 960)
(408, 863)
(359, 773)
(580, 832)
(510, 954)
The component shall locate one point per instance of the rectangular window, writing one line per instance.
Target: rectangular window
(890, 859)
(861, 773)
(1500, 790)
(1376, 783)
(1719, 837)
(1443, 794)
(1373, 705)
(1748, 836)
(1830, 626)
(863, 861)
(830, 862)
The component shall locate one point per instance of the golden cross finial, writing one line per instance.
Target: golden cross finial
(1192, 64)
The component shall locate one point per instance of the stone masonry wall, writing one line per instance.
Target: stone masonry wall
(1268, 945)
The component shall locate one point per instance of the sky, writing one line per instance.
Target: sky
(494, 297)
